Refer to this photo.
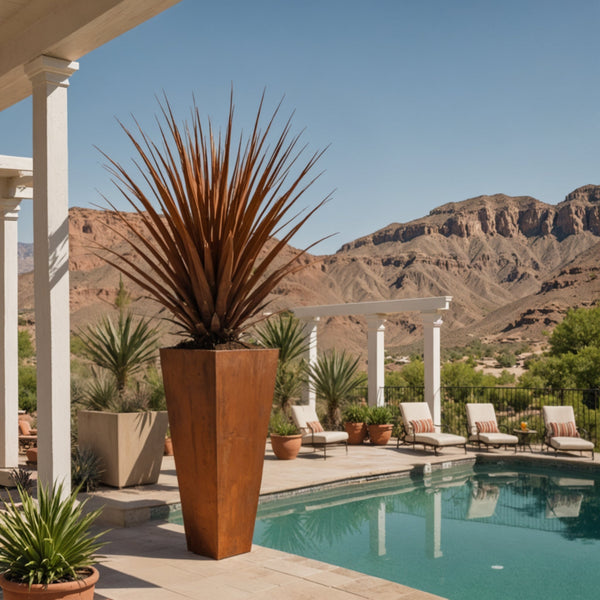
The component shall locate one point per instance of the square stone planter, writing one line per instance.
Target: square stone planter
(130, 445)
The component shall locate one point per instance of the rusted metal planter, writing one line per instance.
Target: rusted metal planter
(219, 403)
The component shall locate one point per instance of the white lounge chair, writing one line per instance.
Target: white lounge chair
(306, 420)
(561, 432)
(419, 428)
(483, 427)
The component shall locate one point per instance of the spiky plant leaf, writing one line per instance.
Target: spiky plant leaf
(213, 207)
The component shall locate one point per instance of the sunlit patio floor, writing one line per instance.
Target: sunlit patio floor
(147, 558)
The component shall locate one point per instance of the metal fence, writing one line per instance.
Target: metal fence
(512, 406)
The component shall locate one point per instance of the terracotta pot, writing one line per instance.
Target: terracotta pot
(380, 434)
(357, 432)
(168, 447)
(82, 589)
(286, 447)
(32, 455)
(219, 404)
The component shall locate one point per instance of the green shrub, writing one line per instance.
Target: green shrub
(46, 541)
(281, 425)
(26, 349)
(27, 388)
(380, 415)
(355, 413)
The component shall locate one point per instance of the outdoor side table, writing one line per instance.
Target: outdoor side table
(524, 436)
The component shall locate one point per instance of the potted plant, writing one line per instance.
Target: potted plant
(355, 422)
(206, 251)
(380, 425)
(46, 550)
(286, 440)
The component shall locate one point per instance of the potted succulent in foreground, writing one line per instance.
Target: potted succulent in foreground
(46, 550)
(380, 425)
(355, 422)
(286, 440)
(208, 255)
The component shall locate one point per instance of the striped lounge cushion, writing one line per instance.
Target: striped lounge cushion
(422, 426)
(564, 429)
(315, 426)
(487, 427)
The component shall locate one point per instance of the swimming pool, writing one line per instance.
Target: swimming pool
(483, 532)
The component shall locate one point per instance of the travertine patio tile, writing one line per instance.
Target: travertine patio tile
(332, 579)
(291, 567)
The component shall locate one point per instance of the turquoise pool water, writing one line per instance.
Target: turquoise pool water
(492, 533)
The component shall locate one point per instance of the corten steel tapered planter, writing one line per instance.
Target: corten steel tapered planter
(219, 404)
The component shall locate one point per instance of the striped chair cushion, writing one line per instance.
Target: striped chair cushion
(315, 426)
(564, 429)
(487, 427)
(422, 426)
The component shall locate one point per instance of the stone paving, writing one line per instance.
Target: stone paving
(148, 559)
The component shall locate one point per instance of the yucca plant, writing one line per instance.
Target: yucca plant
(207, 249)
(86, 469)
(334, 377)
(123, 348)
(47, 541)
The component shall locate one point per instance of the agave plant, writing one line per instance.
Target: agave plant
(47, 541)
(123, 348)
(334, 377)
(285, 332)
(86, 469)
(207, 252)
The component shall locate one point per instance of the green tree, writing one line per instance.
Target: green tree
(580, 328)
(334, 377)
(414, 373)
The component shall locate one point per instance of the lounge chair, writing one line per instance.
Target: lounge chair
(306, 420)
(561, 433)
(483, 427)
(27, 435)
(419, 428)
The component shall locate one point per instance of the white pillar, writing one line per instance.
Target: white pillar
(9, 364)
(431, 333)
(50, 78)
(309, 396)
(376, 359)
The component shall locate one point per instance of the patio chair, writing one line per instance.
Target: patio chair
(482, 427)
(27, 435)
(306, 420)
(561, 432)
(419, 428)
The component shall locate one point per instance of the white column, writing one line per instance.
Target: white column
(433, 525)
(9, 364)
(309, 395)
(376, 359)
(431, 333)
(50, 78)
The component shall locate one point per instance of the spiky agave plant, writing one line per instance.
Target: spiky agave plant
(204, 250)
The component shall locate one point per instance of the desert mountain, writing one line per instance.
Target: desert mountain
(513, 265)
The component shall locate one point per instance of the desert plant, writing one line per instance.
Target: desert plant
(22, 479)
(48, 540)
(334, 377)
(380, 415)
(86, 469)
(208, 253)
(122, 348)
(27, 388)
(355, 413)
(286, 333)
(281, 425)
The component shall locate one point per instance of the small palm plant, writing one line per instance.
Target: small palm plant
(286, 333)
(334, 377)
(48, 541)
(123, 348)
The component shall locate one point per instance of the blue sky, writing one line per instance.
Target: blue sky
(421, 102)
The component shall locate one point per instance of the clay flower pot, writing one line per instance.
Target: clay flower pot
(286, 447)
(357, 432)
(380, 434)
(168, 447)
(82, 589)
(32, 456)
